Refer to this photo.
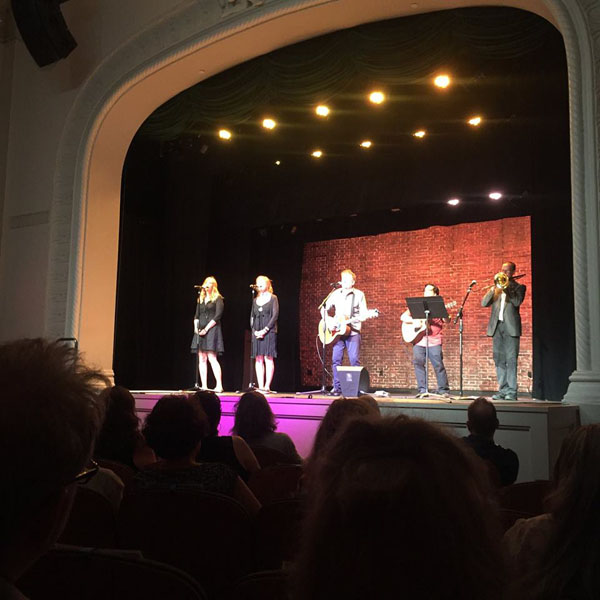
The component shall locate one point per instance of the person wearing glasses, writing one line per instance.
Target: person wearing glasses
(208, 337)
(50, 416)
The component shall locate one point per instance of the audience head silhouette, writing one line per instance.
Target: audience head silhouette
(49, 420)
(253, 417)
(398, 508)
(175, 428)
(210, 403)
(482, 418)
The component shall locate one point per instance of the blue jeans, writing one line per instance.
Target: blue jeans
(352, 345)
(436, 357)
(506, 352)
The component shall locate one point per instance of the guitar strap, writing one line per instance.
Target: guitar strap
(352, 310)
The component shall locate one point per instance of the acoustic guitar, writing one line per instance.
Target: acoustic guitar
(414, 331)
(332, 327)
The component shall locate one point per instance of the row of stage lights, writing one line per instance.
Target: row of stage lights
(377, 97)
(491, 196)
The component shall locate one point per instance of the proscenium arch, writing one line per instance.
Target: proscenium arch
(208, 36)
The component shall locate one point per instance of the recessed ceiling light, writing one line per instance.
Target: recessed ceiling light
(322, 110)
(269, 124)
(366, 144)
(225, 134)
(316, 153)
(495, 195)
(442, 81)
(420, 134)
(474, 121)
(377, 97)
(453, 201)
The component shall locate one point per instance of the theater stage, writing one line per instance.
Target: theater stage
(533, 429)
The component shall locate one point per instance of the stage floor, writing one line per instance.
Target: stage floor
(534, 429)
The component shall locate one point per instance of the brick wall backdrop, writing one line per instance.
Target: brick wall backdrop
(392, 266)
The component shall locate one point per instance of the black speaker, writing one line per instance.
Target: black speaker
(354, 381)
(43, 30)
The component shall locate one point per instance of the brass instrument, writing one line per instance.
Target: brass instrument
(502, 280)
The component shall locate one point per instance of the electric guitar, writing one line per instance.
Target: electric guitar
(414, 331)
(332, 327)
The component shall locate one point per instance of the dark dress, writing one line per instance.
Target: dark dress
(213, 340)
(261, 317)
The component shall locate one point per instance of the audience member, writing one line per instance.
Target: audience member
(338, 414)
(398, 509)
(49, 419)
(231, 450)
(482, 424)
(120, 439)
(254, 421)
(557, 555)
(174, 430)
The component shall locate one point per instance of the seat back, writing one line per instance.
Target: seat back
(526, 497)
(271, 585)
(278, 527)
(268, 457)
(207, 535)
(92, 521)
(278, 482)
(125, 472)
(71, 573)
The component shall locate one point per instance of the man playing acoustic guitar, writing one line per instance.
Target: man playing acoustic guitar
(435, 347)
(351, 310)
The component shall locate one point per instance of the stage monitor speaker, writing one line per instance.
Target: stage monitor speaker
(43, 30)
(354, 381)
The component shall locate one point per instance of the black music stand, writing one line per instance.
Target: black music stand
(427, 307)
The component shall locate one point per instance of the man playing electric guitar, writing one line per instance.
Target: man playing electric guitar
(435, 347)
(350, 305)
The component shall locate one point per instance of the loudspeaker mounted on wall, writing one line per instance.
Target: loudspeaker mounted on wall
(354, 381)
(43, 30)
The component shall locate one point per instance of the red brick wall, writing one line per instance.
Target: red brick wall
(392, 266)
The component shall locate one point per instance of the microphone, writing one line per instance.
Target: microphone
(198, 287)
(474, 282)
(336, 284)
(253, 286)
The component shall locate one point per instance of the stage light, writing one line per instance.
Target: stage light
(316, 153)
(453, 201)
(277, 162)
(366, 144)
(442, 81)
(420, 134)
(474, 121)
(225, 134)
(495, 195)
(322, 110)
(377, 97)
(269, 124)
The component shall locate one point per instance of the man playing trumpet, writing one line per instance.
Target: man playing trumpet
(505, 297)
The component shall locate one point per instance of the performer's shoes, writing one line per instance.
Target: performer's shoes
(336, 393)
(499, 396)
(269, 391)
(510, 397)
(217, 390)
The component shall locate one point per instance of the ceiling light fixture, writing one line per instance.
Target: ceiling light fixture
(420, 134)
(322, 110)
(225, 134)
(269, 123)
(495, 195)
(474, 121)
(377, 97)
(442, 81)
(316, 153)
(366, 144)
(453, 201)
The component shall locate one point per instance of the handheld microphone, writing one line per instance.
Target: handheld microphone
(253, 286)
(336, 284)
(474, 282)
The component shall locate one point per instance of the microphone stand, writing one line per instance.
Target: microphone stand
(251, 385)
(323, 388)
(459, 318)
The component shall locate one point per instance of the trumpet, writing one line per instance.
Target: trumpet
(502, 280)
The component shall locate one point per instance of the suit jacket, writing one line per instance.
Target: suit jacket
(515, 294)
